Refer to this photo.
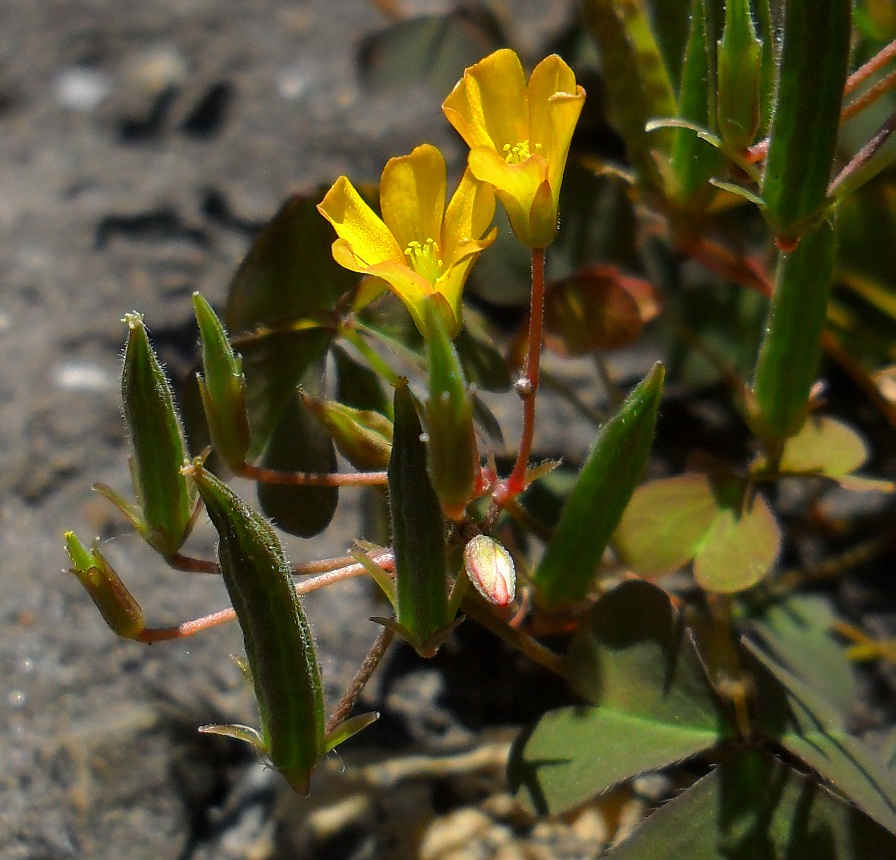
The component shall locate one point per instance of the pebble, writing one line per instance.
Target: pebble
(81, 89)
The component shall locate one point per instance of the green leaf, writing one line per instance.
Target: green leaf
(797, 633)
(575, 753)
(357, 386)
(602, 491)
(632, 654)
(754, 807)
(803, 134)
(788, 355)
(665, 523)
(289, 273)
(299, 444)
(815, 735)
(274, 364)
(157, 442)
(824, 446)
(852, 769)
(733, 540)
(433, 49)
(739, 549)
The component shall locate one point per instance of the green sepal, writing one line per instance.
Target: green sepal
(739, 70)
(348, 729)
(452, 454)
(377, 574)
(279, 647)
(599, 497)
(804, 127)
(788, 355)
(425, 648)
(164, 498)
(363, 436)
(223, 389)
(116, 604)
(418, 531)
(240, 733)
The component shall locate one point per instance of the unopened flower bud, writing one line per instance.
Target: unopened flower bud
(490, 568)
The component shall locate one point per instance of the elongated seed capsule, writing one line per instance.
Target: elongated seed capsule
(157, 441)
(803, 134)
(223, 388)
(418, 531)
(599, 497)
(279, 648)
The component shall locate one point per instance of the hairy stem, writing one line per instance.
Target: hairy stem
(527, 386)
(311, 479)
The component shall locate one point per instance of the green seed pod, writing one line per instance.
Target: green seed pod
(223, 389)
(739, 69)
(116, 604)
(279, 648)
(418, 533)
(599, 497)
(363, 436)
(788, 356)
(803, 133)
(451, 453)
(165, 500)
(694, 161)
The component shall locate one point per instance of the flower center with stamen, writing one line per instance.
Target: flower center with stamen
(423, 258)
(519, 152)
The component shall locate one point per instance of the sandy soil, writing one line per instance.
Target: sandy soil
(141, 145)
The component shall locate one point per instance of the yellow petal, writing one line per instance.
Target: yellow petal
(488, 106)
(555, 103)
(366, 240)
(516, 186)
(468, 216)
(412, 195)
(410, 287)
(451, 285)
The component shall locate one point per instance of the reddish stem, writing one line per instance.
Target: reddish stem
(311, 479)
(878, 61)
(384, 559)
(527, 386)
(870, 96)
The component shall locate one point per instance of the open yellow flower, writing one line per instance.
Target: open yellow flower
(519, 136)
(421, 250)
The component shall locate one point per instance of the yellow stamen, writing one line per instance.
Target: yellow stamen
(423, 258)
(519, 152)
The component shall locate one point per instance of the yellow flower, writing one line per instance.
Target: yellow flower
(519, 136)
(421, 250)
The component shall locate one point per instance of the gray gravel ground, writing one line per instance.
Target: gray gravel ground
(140, 146)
